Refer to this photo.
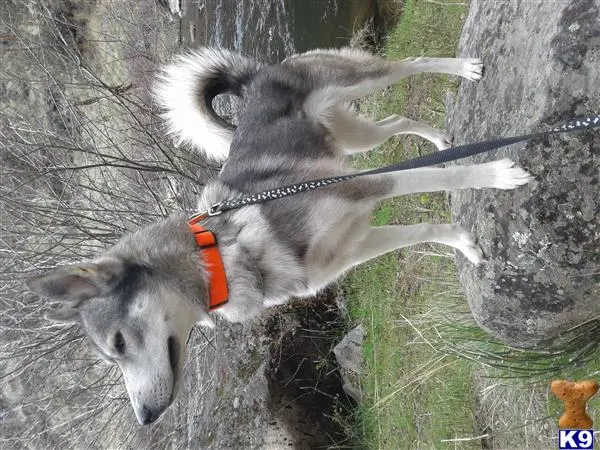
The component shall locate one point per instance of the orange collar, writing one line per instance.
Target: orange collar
(207, 242)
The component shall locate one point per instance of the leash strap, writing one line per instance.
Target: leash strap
(451, 154)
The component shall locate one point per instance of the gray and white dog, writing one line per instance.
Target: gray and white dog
(139, 300)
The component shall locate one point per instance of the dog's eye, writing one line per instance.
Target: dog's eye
(119, 343)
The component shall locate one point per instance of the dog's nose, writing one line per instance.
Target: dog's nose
(148, 416)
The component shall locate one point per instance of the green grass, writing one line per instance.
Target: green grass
(414, 393)
(423, 347)
(416, 396)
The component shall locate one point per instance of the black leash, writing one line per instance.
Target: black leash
(451, 154)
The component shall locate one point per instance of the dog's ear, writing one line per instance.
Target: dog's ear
(64, 314)
(76, 283)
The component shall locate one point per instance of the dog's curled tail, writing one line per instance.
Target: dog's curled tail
(186, 88)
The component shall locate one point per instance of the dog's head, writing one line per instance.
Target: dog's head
(137, 309)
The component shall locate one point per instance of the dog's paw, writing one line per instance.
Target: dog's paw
(472, 69)
(506, 176)
(467, 245)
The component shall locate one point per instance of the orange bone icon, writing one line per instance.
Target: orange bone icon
(574, 395)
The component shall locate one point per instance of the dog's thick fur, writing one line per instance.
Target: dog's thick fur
(139, 301)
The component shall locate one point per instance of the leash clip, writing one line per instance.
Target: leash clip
(215, 209)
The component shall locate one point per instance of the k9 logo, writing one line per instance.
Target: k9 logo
(575, 439)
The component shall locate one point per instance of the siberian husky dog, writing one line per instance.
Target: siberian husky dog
(138, 301)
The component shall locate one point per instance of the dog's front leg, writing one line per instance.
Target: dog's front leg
(496, 174)
(382, 240)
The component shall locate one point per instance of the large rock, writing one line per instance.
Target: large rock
(542, 241)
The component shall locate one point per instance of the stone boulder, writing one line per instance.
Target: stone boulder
(349, 355)
(542, 241)
(272, 383)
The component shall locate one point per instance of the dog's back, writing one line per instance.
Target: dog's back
(278, 142)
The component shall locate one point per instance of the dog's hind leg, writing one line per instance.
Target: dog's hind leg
(322, 100)
(469, 68)
(326, 104)
(382, 240)
(356, 134)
